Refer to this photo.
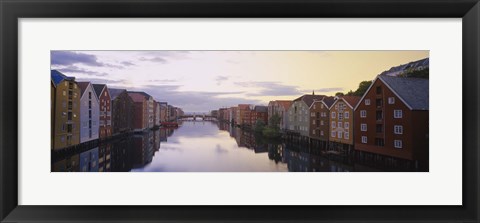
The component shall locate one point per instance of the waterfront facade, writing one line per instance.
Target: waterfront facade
(233, 115)
(122, 111)
(280, 108)
(89, 113)
(342, 123)
(156, 111)
(299, 115)
(163, 111)
(240, 113)
(66, 111)
(105, 129)
(259, 114)
(320, 120)
(140, 111)
(393, 118)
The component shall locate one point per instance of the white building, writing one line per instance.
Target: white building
(89, 112)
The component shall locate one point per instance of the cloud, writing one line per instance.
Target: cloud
(71, 58)
(332, 89)
(194, 101)
(270, 88)
(114, 83)
(78, 70)
(163, 81)
(153, 59)
(127, 63)
(221, 79)
(67, 58)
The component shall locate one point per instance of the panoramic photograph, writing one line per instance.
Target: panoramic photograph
(239, 111)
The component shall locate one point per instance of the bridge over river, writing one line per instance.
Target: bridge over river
(198, 117)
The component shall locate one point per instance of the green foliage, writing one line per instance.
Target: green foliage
(417, 73)
(271, 132)
(274, 121)
(259, 126)
(339, 94)
(362, 88)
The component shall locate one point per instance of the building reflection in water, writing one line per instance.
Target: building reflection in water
(137, 151)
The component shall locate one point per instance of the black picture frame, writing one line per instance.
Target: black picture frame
(12, 10)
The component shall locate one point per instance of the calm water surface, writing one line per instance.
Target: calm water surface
(202, 146)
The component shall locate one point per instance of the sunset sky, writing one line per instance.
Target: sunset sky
(200, 81)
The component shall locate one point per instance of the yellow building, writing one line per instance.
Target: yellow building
(65, 111)
(341, 123)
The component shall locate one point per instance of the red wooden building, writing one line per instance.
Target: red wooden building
(392, 119)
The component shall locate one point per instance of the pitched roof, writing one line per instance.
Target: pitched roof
(98, 89)
(351, 100)
(260, 108)
(114, 92)
(141, 92)
(58, 77)
(83, 86)
(137, 96)
(309, 99)
(285, 104)
(328, 101)
(412, 91)
(243, 106)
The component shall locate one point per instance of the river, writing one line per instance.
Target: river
(205, 146)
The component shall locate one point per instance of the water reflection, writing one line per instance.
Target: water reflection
(205, 146)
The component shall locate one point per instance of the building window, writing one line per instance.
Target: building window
(379, 128)
(333, 114)
(363, 113)
(333, 124)
(364, 139)
(363, 127)
(336, 106)
(379, 102)
(333, 134)
(347, 114)
(340, 116)
(397, 144)
(321, 133)
(313, 132)
(64, 93)
(312, 114)
(321, 106)
(397, 113)
(379, 142)
(105, 93)
(347, 135)
(398, 129)
(340, 125)
(379, 115)
(391, 100)
(340, 135)
(321, 122)
(379, 90)
(347, 126)
(367, 101)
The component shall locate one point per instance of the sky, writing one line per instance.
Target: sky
(201, 81)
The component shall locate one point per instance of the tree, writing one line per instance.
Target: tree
(362, 88)
(274, 121)
(259, 126)
(417, 73)
(339, 94)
